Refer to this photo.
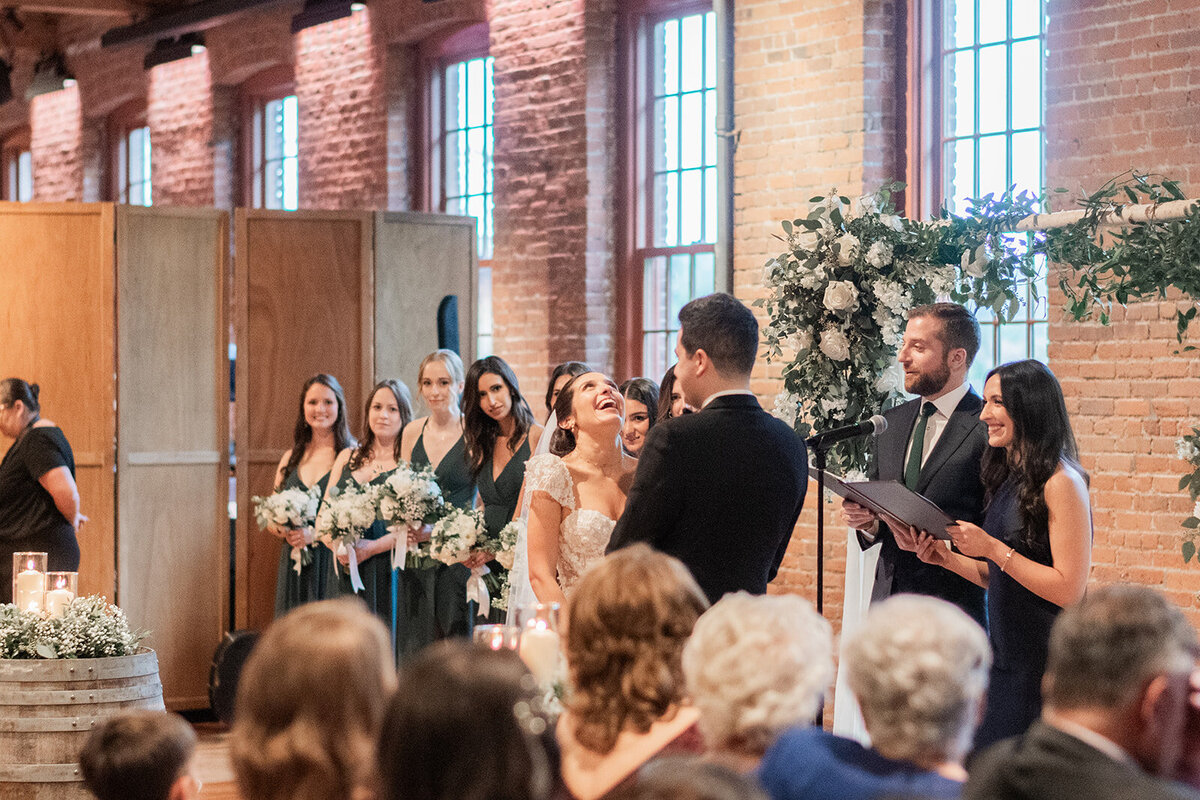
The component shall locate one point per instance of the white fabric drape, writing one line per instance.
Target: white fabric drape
(860, 579)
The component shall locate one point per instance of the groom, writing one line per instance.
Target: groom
(720, 489)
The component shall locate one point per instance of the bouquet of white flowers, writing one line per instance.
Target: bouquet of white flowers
(289, 508)
(455, 535)
(410, 497)
(504, 545)
(347, 514)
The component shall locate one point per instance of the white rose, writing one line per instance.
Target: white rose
(799, 341)
(865, 204)
(890, 380)
(808, 240)
(847, 244)
(892, 221)
(879, 255)
(840, 295)
(834, 345)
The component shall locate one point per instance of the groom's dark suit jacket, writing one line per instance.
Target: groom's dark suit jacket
(949, 478)
(720, 490)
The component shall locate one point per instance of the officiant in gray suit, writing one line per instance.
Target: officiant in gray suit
(933, 445)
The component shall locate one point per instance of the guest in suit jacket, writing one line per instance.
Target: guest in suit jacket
(940, 342)
(720, 489)
(1118, 721)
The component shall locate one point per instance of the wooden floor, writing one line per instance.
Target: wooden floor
(213, 766)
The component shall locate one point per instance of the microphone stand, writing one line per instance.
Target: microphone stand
(820, 450)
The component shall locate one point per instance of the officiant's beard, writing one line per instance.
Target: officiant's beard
(925, 384)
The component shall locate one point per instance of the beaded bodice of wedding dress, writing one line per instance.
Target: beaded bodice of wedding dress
(584, 533)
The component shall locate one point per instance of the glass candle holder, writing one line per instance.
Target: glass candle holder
(497, 637)
(29, 581)
(539, 645)
(61, 589)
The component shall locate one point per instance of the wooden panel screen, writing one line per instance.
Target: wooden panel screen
(173, 438)
(303, 285)
(56, 313)
(419, 259)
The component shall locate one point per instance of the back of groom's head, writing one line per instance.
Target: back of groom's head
(721, 326)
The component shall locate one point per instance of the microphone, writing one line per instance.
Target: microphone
(875, 425)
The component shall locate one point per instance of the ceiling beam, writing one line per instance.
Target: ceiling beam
(88, 8)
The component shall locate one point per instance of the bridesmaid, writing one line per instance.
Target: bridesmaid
(389, 409)
(321, 432)
(500, 433)
(433, 597)
(641, 412)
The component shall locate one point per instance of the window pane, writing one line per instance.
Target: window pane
(654, 353)
(1040, 340)
(993, 88)
(666, 220)
(705, 281)
(1026, 18)
(666, 146)
(1027, 161)
(960, 22)
(654, 293)
(959, 172)
(1014, 344)
(665, 73)
(692, 121)
(468, 144)
(483, 343)
(960, 102)
(679, 287)
(710, 129)
(1027, 84)
(25, 176)
(993, 22)
(291, 184)
(692, 49)
(710, 52)
(691, 207)
(710, 205)
(291, 127)
(993, 164)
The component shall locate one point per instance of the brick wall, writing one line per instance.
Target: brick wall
(56, 145)
(1121, 92)
(180, 115)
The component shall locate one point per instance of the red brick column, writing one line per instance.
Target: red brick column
(179, 111)
(56, 142)
(553, 109)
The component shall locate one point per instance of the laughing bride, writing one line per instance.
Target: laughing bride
(574, 494)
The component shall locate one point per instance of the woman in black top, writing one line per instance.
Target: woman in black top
(39, 502)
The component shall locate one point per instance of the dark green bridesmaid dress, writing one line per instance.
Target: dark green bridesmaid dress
(433, 596)
(312, 583)
(499, 498)
(378, 578)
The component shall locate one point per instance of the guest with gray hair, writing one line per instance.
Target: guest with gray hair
(1121, 717)
(756, 666)
(918, 667)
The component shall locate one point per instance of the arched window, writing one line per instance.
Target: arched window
(130, 155)
(271, 141)
(17, 159)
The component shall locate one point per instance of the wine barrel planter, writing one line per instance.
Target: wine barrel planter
(47, 708)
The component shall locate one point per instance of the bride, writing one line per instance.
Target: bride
(574, 494)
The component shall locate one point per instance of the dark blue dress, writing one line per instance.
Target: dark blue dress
(312, 583)
(433, 596)
(1019, 625)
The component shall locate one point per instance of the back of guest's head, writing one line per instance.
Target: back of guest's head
(571, 369)
(629, 618)
(720, 325)
(465, 725)
(756, 665)
(310, 701)
(960, 329)
(137, 755)
(918, 667)
(688, 778)
(15, 389)
(1106, 648)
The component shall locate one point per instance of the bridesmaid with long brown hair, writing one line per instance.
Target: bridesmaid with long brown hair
(320, 433)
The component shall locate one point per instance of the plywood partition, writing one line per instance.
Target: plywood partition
(56, 318)
(420, 259)
(303, 285)
(173, 438)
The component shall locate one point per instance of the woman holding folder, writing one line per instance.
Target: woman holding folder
(1033, 551)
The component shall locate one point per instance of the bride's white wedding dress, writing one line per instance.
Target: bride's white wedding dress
(582, 536)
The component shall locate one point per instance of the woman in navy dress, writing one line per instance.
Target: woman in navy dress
(1033, 552)
(433, 595)
(321, 432)
(389, 408)
(500, 434)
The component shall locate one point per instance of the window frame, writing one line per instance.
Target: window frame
(266, 87)
(15, 144)
(436, 54)
(635, 146)
(927, 138)
(121, 123)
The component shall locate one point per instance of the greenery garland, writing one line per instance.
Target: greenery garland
(839, 294)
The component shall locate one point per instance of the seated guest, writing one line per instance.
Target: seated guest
(1116, 715)
(310, 702)
(140, 755)
(918, 667)
(629, 618)
(689, 778)
(755, 666)
(464, 725)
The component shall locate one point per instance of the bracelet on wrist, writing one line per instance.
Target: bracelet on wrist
(1005, 560)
